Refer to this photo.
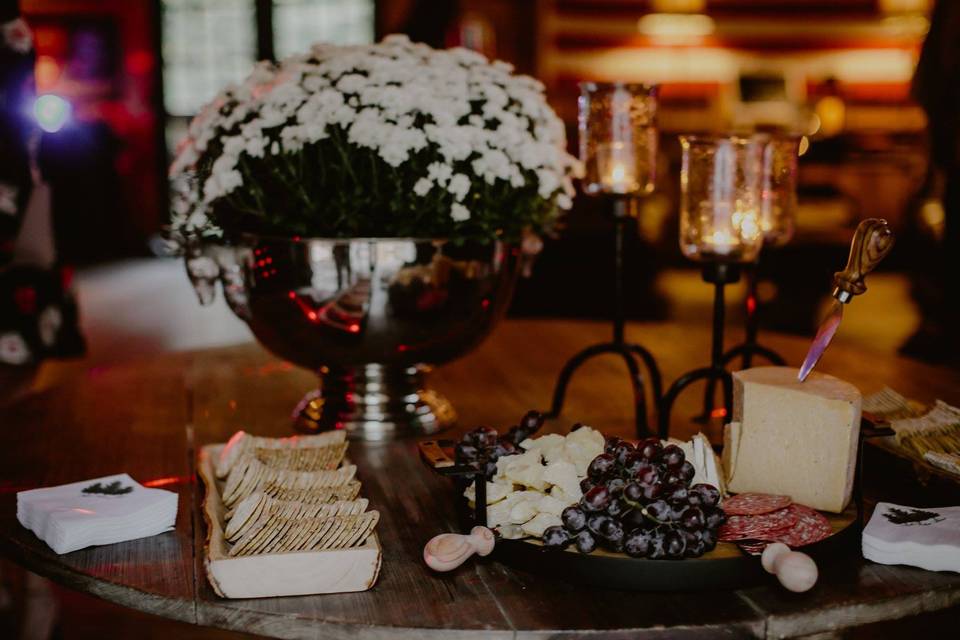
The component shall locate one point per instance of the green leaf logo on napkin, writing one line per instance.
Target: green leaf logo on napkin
(112, 489)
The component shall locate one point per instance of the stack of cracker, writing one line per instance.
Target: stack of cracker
(282, 505)
(291, 494)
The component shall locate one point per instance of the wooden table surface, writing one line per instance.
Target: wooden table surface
(149, 417)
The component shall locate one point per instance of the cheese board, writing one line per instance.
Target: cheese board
(307, 570)
(725, 566)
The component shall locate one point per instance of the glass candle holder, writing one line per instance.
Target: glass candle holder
(720, 202)
(618, 137)
(778, 198)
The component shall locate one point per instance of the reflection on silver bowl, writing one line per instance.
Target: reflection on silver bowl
(370, 315)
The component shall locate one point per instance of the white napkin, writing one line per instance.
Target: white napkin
(100, 511)
(925, 538)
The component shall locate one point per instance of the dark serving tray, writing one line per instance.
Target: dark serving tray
(726, 567)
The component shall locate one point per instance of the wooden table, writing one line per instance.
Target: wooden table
(149, 417)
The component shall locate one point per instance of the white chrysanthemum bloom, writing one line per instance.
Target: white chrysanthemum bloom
(445, 124)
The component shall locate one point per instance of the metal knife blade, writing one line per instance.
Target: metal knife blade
(828, 327)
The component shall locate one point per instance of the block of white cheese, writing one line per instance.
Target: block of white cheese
(793, 438)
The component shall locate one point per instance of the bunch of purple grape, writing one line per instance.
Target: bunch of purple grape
(638, 500)
(482, 447)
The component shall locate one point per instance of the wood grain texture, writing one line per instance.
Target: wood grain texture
(149, 417)
(107, 420)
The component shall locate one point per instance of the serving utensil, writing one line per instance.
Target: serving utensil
(872, 241)
(448, 551)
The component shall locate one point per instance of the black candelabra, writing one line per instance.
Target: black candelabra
(633, 354)
(719, 274)
(746, 350)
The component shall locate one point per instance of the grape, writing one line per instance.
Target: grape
(615, 486)
(674, 544)
(676, 511)
(674, 478)
(465, 452)
(676, 493)
(613, 546)
(659, 510)
(555, 537)
(694, 544)
(491, 469)
(633, 462)
(656, 550)
(650, 448)
(485, 437)
(610, 444)
(636, 500)
(672, 456)
(709, 494)
(647, 474)
(637, 543)
(652, 491)
(692, 519)
(595, 521)
(633, 492)
(634, 519)
(585, 542)
(611, 530)
(714, 517)
(574, 518)
(532, 421)
(504, 448)
(617, 507)
(601, 466)
(622, 450)
(597, 499)
(520, 435)
(709, 539)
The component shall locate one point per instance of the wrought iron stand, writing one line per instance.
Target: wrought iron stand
(745, 350)
(720, 274)
(632, 354)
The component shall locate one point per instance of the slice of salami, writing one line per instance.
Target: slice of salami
(754, 504)
(812, 526)
(755, 527)
(753, 547)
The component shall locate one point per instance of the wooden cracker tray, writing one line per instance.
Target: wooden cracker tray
(294, 573)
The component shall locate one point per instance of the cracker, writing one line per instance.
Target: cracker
(367, 523)
(247, 512)
(248, 538)
(322, 527)
(336, 528)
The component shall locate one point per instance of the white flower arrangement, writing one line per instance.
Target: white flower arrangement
(389, 139)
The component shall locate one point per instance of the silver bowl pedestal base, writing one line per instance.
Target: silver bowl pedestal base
(372, 315)
(374, 402)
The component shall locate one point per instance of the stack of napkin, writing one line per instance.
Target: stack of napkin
(925, 538)
(101, 511)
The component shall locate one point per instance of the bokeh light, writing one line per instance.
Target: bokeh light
(51, 112)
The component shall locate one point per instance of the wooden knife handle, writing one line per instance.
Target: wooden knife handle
(872, 241)
(434, 454)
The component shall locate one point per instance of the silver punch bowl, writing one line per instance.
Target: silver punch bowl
(371, 316)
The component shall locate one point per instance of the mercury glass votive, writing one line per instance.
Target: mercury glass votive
(778, 197)
(618, 137)
(720, 204)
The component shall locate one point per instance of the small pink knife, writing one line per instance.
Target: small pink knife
(872, 241)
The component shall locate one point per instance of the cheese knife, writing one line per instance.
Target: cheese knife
(872, 241)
